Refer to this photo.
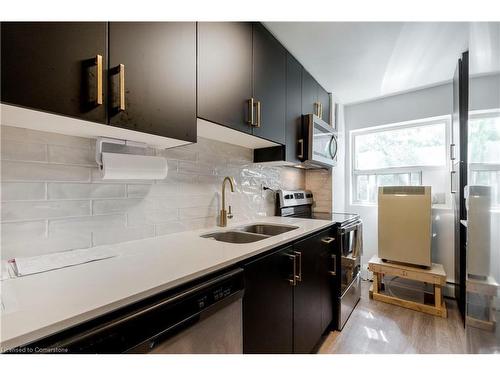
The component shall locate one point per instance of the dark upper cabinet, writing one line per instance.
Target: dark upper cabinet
(225, 73)
(313, 95)
(309, 93)
(269, 85)
(268, 304)
(311, 293)
(324, 99)
(53, 67)
(152, 76)
(293, 124)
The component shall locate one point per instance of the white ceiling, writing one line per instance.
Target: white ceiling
(358, 61)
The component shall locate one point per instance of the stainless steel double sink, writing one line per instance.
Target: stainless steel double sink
(249, 233)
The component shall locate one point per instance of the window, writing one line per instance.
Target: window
(401, 154)
(484, 151)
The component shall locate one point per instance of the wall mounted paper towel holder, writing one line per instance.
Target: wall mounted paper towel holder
(101, 140)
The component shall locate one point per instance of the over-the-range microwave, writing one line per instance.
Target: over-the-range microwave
(318, 147)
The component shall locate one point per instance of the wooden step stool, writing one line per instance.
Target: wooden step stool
(489, 289)
(435, 275)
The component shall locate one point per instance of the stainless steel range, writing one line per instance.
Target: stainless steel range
(346, 274)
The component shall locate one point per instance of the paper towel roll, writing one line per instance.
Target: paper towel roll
(133, 167)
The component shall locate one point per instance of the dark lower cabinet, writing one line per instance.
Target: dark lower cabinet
(225, 73)
(153, 77)
(55, 67)
(269, 85)
(268, 304)
(311, 292)
(280, 317)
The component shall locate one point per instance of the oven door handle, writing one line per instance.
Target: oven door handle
(349, 228)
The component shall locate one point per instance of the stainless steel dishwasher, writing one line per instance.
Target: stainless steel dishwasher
(202, 319)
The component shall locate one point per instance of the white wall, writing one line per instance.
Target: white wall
(53, 198)
(424, 103)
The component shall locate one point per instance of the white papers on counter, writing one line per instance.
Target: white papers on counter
(8, 270)
(42, 263)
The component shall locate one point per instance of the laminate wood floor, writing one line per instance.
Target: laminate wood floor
(379, 328)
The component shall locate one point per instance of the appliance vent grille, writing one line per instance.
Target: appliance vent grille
(408, 190)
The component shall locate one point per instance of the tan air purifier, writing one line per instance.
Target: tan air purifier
(404, 224)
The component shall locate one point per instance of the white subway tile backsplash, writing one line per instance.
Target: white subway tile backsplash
(21, 171)
(138, 216)
(29, 238)
(138, 190)
(14, 232)
(197, 212)
(108, 236)
(83, 191)
(111, 206)
(86, 224)
(12, 150)
(29, 246)
(71, 155)
(43, 209)
(35, 136)
(23, 191)
(54, 178)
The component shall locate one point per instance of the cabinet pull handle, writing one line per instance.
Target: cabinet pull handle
(328, 240)
(250, 111)
(122, 87)
(293, 280)
(258, 120)
(98, 62)
(452, 151)
(299, 255)
(316, 109)
(301, 154)
(452, 173)
(334, 265)
(320, 114)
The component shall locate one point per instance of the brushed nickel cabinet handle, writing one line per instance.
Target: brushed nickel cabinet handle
(98, 62)
(122, 87)
(293, 280)
(250, 111)
(299, 275)
(301, 154)
(258, 119)
(328, 240)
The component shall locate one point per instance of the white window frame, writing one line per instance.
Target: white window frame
(484, 167)
(353, 173)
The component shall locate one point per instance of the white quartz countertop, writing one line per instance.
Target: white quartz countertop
(38, 305)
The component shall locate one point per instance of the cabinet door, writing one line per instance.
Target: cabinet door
(269, 84)
(52, 66)
(308, 294)
(268, 304)
(158, 80)
(309, 93)
(225, 73)
(326, 264)
(324, 99)
(293, 109)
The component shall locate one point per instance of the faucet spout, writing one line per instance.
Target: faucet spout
(223, 215)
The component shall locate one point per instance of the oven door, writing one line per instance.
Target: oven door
(351, 249)
(321, 142)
